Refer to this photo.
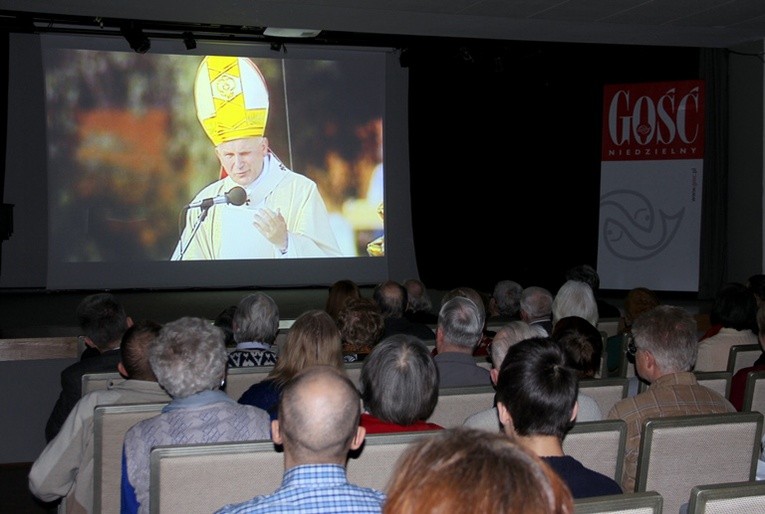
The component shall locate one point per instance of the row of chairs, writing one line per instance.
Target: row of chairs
(676, 455)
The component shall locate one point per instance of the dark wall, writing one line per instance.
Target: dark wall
(505, 154)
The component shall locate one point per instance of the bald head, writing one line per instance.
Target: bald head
(319, 416)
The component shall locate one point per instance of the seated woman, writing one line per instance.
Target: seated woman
(361, 327)
(189, 359)
(464, 470)
(312, 339)
(399, 386)
(339, 293)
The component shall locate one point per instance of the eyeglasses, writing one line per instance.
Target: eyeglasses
(631, 347)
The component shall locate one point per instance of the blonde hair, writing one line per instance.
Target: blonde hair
(313, 339)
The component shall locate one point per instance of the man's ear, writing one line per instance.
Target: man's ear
(122, 370)
(129, 322)
(358, 439)
(276, 433)
(505, 418)
(494, 374)
(575, 411)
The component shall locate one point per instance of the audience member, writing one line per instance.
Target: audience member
(318, 425)
(664, 344)
(537, 403)
(587, 274)
(583, 344)
(482, 348)
(64, 469)
(466, 471)
(399, 386)
(460, 327)
(313, 339)
(102, 320)
(637, 301)
(507, 336)
(505, 302)
(419, 307)
(339, 292)
(361, 326)
(255, 325)
(574, 298)
(738, 383)
(536, 307)
(719, 305)
(189, 359)
(736, 311)
(225, 321)
(391, 297)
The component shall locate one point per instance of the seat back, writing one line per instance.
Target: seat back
(238, 380)
(373, 464)
(649, 502)
(731, 498)
(605, 391)
(598, 445)
(608, 325)
(354, 371)
(110, 423)
(754, 393)
(457, 403)
(201, 478)
(718, 381)
(95, 381)
(742, 356)
(678, 453)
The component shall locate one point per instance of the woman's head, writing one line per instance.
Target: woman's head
(189, 356)
(472, 471)
(312, 339)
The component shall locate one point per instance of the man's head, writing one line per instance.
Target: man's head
(392, 299)
(102, 320)
(506, 298)
(665, 341)
(231, 99)
(418, 297)
(399, 380)
(460, 325)
(584, 273)
(466, 292)
(536, 303)
(510, 334)
(319, 416)
(536, 390)
(256, 319)
(134, 350)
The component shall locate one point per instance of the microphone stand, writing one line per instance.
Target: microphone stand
(200, 219)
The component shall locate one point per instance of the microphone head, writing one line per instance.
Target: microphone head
(236, 196)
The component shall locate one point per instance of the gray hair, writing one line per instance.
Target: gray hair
(669, 333)
(507, 295)
(461, 322)
(256, 319)
(575, 298)
(536, 301)
(510, 334)
(188, 356)
(399, 380)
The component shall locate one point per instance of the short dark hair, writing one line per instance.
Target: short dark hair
(102, 319)
(537, 387)
(134, 349)
(391, 297)
(399, 380)
(735, 306)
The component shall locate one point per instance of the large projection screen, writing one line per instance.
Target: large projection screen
(106, 152)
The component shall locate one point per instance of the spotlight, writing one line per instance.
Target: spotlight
(135, 37)
(189, 41)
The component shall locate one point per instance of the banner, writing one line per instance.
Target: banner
(650, 187)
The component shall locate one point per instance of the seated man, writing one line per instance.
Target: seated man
(665, 343)
(102, 320)
(460, 327)
(318, 425)
(536, 400)
(65, 466)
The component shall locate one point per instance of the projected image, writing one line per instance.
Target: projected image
(182, 157)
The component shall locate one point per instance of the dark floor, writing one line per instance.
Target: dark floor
(15, 497)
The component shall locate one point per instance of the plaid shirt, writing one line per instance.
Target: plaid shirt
(676, 394)
(313, 489)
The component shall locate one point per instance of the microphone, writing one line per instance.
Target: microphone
(235, 196)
